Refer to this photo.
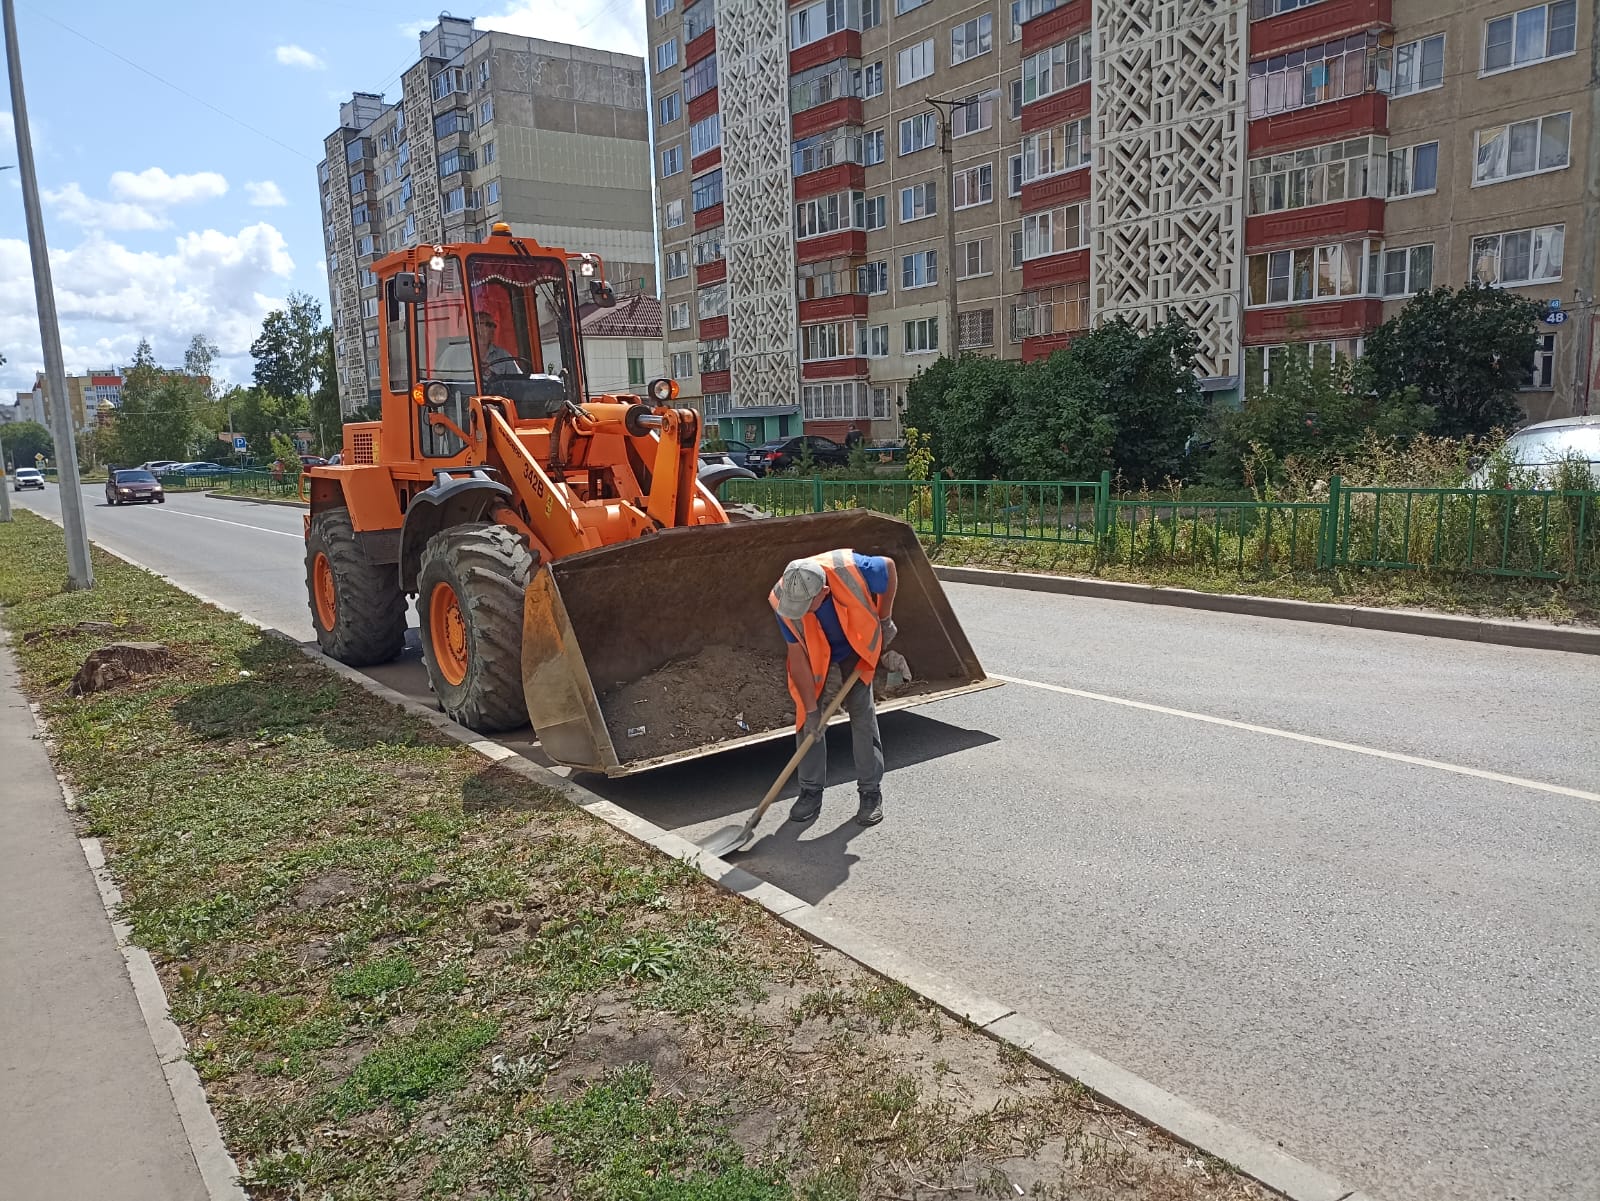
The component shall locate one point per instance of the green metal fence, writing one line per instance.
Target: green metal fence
(1508, 532)
(260, 483)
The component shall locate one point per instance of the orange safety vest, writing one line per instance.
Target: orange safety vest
(858, 617)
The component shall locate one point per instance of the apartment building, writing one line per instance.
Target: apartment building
(88, 396)
(1280, 173)
(553, 139)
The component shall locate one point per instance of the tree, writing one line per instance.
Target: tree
(163, 414)
(258, 415)
(24, 439)
(957, 402)
(326, 420)
(288, 352)
(200, 361)
(1465, 353)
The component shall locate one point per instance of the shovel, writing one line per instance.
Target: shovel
(736, 838)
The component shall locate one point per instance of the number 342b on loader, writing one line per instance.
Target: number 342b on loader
(557, 543)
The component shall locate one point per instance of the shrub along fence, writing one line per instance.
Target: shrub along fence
(1530, 533)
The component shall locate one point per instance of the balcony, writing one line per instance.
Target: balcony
(1046, 345)
(844, 44)
(713, 327)
(840, 177)
(1300, 322)
(710, 273)
(1056, 108)
(1049, 28)
(1068, 268)
(833, 308)
(702, 106)
(1066, 188)
(1366, 113)
(1318, 223)
(703, 46)
(715, 381)
(835, 369)
(1314, 23)
(846, 243)
(708, 218)
(704, 162)
(844, 110)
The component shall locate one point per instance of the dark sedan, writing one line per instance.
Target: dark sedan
(125, 487)
(784, 453)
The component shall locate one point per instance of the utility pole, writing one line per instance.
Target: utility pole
(5, 487)
(946, 110)
(1589, 267)
(80, 573)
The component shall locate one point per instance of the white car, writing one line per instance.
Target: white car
(1536, 451)
(27, 477)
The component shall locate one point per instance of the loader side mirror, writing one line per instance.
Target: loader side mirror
(407, 288)
(601, 293)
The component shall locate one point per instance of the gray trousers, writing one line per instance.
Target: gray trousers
(865, 741)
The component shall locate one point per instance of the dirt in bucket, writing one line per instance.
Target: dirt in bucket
(715, 695)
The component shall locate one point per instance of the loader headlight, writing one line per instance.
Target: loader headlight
(664, 391)
(436, 394)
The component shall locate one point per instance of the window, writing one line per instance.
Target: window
(1260, 10)
(1059, 310)
(711, 301)
(823, 83)
(491, 193)
(667, 54)
(1327, 174)
(488, 153)
(1016, 249)
(919, 270)
(1026, 10)
(454, 121)
(975, 329)
(1523, 148)
(635, 373)
(1054, 232)
(358, 183)
(714, 354)
(817, 21)
(872, 279)
(971, 38)
(918, 133)
(975, 258)
(717, 404)
(901, 7)
(1542, 371)
(827, 214)
(1523, 256)
(833, 401)
(483, 74)
(671, 160)
(359, 215)
(1338, 269)
(364, 245)
(1414, 171)
(369, 307)
(697, 19)
(816, 281)
(919, 201)
(825, 149)
(662, 7)
(1419, 66)
(1052, 151)
(922, 336)
(674, 216)
(454, 201)
(452, 161)
(677, 264)
(974, 186)
(875, 214)
(1343, 67)
(705, 135)
(448, 82)
(875, 341)
(682, 364)
(708, 247)
(1014, 173)
(871, 14)
(1056, 69)
(485, 112)
(678, 315)
(706, 190)
(972, 114)
(1530, 36)
(1016, 98)
(1407, 271)
(836, 340)
(872, 148)
(1260, 362)
(671, 108)
(914, 63)
(872, 81)
(700, 77)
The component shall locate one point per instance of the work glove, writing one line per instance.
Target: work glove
(813, 724)
(889, 630)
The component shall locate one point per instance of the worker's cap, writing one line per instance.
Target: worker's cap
(803, 581)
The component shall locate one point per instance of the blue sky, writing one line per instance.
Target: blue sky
(167, 217)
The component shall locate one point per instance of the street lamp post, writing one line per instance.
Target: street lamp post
(80, 573)
(946, 110)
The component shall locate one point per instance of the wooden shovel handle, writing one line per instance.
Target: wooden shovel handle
(805, 745)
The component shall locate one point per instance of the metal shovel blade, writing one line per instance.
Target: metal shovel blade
(728, 840)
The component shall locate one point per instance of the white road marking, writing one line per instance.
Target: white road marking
(260, 529)
(1394, 756)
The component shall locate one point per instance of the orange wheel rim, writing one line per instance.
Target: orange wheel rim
(447, 630)
(323, 592)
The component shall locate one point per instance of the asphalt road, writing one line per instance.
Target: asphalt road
(1334, 885)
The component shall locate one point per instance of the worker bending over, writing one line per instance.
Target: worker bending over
(837, 607)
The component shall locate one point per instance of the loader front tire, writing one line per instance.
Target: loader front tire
(470, 587)
(357, 608)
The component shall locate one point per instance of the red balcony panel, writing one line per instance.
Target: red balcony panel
(845, 110)
(708, 218)
(1316, 23)
(1045, 346)
(1367, 113)
(1058, 189)
(835, 369)
(704, 162)
(1069, 268)
(1300, 322)
(844, 244)
(1054, 26)
(832, 308)
(1053, 110)
(715, 381)
(844, 44)
(837, 178)
(1299, 227)
(710, 273)
(713, 327)
(703, 105)
(702, 47)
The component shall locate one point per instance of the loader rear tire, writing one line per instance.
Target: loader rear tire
(357, 608)
(470, 588)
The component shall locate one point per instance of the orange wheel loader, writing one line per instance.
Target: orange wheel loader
(557, 543)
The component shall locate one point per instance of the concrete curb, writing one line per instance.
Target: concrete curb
(258, 500)
(1362, 617)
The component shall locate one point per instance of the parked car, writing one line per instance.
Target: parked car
(157, 465)
(734, 453)
(1536, 451)
(134, 484)
(783, 453)
(27, 477)
(313, 461)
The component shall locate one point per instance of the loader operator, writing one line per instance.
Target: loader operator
(497, 361)
(837, 607)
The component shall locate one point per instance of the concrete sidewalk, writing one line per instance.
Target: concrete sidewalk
(84, 1104)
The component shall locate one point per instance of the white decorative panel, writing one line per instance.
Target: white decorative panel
(758, 201)
(1170, 156)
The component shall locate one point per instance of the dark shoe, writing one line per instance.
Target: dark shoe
(806, 807)
(871, 811)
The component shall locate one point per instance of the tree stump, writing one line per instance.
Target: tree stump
(118, 663)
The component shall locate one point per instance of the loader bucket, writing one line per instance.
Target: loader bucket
(597, 621)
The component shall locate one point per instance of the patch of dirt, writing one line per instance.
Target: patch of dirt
(330, 888)
(699, 700)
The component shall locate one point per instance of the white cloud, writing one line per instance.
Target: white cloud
(298, 56)
(71, 203)
(265, 194)
(155, 187)
(597, 23)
